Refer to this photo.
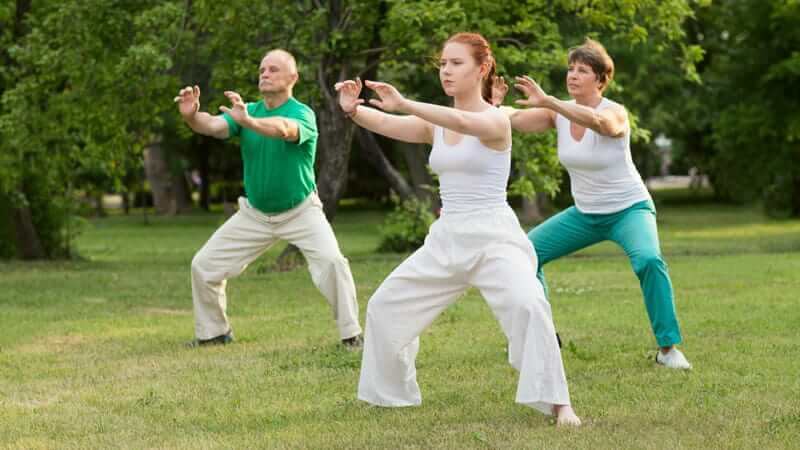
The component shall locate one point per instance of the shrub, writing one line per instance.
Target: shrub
(405, 228)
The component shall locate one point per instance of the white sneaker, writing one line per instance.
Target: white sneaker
(673, 359)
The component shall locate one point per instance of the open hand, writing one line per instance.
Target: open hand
(535, 95)
(238, 109)
(349, 92)
(389, 98)
(188, 100)
(499, 90)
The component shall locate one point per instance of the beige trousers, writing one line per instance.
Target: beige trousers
(246, 235)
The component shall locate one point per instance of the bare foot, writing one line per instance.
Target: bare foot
(565, 416)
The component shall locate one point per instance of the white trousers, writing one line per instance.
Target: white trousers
(487, 250)
(247, 234)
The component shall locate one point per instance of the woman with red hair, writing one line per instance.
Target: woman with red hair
(477, 241)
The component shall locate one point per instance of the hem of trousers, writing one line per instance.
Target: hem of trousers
(543, 407)
(205, 336)
(350, 332)
(669, 341)
(387, 404)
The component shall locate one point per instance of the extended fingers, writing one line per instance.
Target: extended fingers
(376, 85)
(182, 93)
(234, 97)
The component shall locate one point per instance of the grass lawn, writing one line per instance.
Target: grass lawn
(91, 351)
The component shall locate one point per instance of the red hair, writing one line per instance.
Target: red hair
(482, 54)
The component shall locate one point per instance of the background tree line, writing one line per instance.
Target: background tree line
(87, 89)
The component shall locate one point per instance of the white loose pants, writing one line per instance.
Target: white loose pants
(487, 250)
(247, 234)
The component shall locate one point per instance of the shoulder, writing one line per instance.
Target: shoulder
(497, 115)
(254, 107)
(612, 106)
(300, 107)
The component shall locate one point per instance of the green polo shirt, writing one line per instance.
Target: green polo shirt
(278, 175)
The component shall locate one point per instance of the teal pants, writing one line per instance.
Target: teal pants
(633, 229)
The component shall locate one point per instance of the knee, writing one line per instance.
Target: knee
(203, 271)
(647, 261)
(198, 263)
(328, 264)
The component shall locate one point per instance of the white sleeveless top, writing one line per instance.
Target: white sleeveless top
(603, 178)
(472, 176)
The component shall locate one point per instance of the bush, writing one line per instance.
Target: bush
(406, 226)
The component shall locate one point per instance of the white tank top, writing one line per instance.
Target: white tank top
(603, 178)
(472, 176)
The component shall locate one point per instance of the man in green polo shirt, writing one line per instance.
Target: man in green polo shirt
(278, 140)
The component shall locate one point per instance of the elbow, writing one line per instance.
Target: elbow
(607, 127)
(284, 131)
(462, 125)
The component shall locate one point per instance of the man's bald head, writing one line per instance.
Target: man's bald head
(278, 71)
(285, 57)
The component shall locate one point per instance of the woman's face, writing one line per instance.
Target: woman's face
(458, 70)
(582, 81)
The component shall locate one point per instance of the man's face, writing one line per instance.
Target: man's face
(276, 74)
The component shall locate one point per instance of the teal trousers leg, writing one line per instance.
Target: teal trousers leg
(635, 231)
(560, 235)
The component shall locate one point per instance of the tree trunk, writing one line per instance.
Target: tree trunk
(169, 191)
(29, 245)
(182, 195)
(97, 199)
(376, 157)
(796, 195)
(416, 157)
(532, 209)
(157, 173)
(126, 202)
(333, 155)
(205, 179)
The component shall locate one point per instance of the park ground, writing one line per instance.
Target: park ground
(91, 352)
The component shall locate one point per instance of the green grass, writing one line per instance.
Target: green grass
(91, 354)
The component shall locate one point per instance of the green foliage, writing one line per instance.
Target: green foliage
(533, 38)
(406, 226)
(89, 84)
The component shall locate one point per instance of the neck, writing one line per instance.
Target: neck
(591, 100)
(472, 101)
(275, 99)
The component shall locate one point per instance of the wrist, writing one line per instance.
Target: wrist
(246, 122)
(351, 114)
(190, 118)
(406, 106)
(549, 102)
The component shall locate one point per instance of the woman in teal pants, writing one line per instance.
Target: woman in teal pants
(611, 201)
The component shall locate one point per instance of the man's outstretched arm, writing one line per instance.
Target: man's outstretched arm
(188, 101)
(276, 127)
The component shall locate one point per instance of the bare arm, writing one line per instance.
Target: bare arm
(531, 120)
(276, 127)
(612, 121)
(188, 100)
(403, 128)
(488, 126)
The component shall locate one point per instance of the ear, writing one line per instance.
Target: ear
(484, 70)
